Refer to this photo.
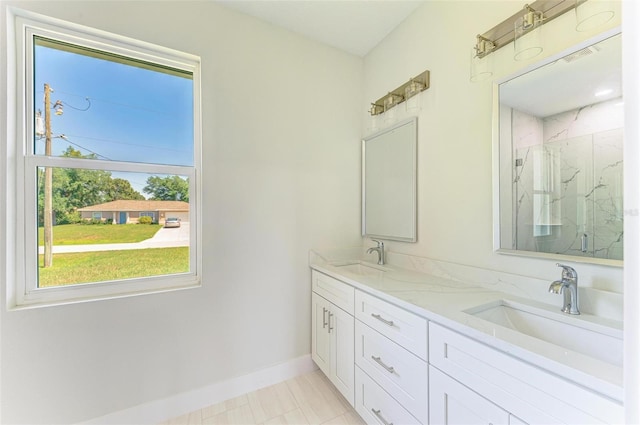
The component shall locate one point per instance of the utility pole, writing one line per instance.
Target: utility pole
(48, 182)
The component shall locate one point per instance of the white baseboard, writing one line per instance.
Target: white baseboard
(158, 411)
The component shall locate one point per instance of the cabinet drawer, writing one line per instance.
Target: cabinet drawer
(331, 289)
(526, 391)
(406, 329)
(403, 375)
(450, 402)
(377, 407)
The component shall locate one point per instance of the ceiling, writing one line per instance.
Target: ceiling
(355, 26)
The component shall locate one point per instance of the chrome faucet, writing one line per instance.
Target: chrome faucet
(568, 286)
(379, 249)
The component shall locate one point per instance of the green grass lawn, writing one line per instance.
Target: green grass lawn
(88, 234)
(85, 267)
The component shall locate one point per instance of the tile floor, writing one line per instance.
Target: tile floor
(304, 400)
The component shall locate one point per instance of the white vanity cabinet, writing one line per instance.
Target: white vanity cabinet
(473, 376)
(391, 363)
(332, 331)
(396, 367)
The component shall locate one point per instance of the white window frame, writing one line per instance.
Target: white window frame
(96, 215)
(21, 246)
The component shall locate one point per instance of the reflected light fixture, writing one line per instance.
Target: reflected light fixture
(591, 14)
(527, 41)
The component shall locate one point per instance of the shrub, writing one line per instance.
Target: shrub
(92, 221)
(145, 220)
(68, 217)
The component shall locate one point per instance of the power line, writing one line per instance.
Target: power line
(127, 144)
(79, 109)
(63, 137)
(142, 108)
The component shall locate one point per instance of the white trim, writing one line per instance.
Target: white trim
(20, 246)
(158, 411)
(631, 94)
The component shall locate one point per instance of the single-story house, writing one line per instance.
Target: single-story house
(130, 211)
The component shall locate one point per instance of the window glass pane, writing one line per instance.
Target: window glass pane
(110, 107)
(106, 225)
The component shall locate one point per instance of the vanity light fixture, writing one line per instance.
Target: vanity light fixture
(390, 114)
(392, 100)
(481, 62)
(376, 109)
(591, 14)
(406, 91)
(524, 26)
(413, 88)
(412, 102)
(527, 35)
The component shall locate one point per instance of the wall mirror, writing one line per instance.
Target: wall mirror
(389, 183)
(559, 157)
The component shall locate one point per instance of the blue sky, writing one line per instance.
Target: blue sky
(133, 114)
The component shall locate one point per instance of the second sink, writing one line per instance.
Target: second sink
(576, 334)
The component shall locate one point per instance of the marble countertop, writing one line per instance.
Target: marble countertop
(445, 301)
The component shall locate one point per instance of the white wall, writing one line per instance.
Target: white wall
(455, 133)
(281, 146)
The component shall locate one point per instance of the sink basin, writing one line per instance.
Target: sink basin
(361, 269)
(581, 334)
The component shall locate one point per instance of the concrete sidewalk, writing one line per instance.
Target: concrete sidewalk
(164, 238)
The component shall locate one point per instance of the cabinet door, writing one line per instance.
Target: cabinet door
(341, 329)
(320, 337)
(452, 403)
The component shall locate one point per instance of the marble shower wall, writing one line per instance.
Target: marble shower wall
(568, 181)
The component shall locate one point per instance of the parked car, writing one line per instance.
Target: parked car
(172, 222)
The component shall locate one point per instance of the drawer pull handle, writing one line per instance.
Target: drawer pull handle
(329, 321)
(389, 369)
(324, 317)
(379, 416)
(380, 318)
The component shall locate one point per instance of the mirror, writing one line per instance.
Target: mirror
(559, 152)
(389, 183)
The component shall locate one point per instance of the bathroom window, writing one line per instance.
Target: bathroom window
(107, 134)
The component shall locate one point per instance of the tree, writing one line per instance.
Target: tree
(169, 188)
(75, 188)
(122, 189)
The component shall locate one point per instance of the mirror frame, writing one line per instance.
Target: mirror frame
(414, 191)
(497, 166)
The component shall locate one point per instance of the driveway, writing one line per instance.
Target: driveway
(164, 238)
